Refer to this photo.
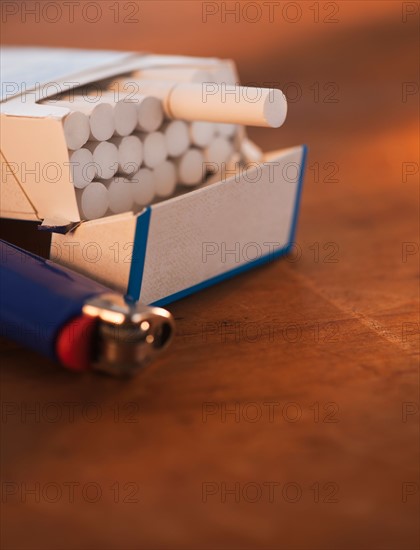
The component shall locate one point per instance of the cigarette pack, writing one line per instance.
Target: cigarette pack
(164, 251)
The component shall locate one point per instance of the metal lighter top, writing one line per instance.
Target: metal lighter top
(128, 334)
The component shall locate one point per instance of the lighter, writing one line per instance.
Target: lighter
(76, 320)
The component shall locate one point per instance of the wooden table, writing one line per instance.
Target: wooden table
(286, 413)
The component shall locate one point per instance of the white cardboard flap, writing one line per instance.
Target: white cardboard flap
(101, 249)
(13, 201)
(29, 75)
(36, 152)
(27, 69)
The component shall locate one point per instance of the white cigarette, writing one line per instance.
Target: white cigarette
(82, 167)
(105, 157)
(202, 133)
(125, 117)
(251, 152)
(94, 201)
(159, 89)
(233, 164)
(130, 154)
(76, 130)
(228, 104)
(224, 73)
(177, 137)
(178, 74)
(149, 113)
(100, 114)
(219, 151)
(213, 102)
(165, 179)
(228, 170)
(154, 148)
(190, 167)
(143, 187)
(102, 123)
(226, 130)
(124, 110)
(120, 195)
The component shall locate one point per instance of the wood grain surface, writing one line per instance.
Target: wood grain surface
(286, 413)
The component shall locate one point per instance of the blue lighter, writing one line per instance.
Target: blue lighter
(75, 320)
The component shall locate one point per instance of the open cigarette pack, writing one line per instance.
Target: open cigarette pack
(159, 201)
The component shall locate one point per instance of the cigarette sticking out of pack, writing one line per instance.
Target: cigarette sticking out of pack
(214, 102)
(160, 133)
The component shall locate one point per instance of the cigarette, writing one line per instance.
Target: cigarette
(219, 151)
(130, 154)
(211, 102)
(226, 130)
(154, 148)
(202, 133)
(102, 123)
(125, 113)
(165, 179)
(124, 110)
(82, 167)
(178, 74)
(76, 130)
(177, 137)
(190, 167)
(149, 113)
(94, 200)
(101, 115)
(120, 195)
(105, 157)
(234, 163)
(223, 72)
(229, 104)
(250, 152)
(228, 170)
(143, 187)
